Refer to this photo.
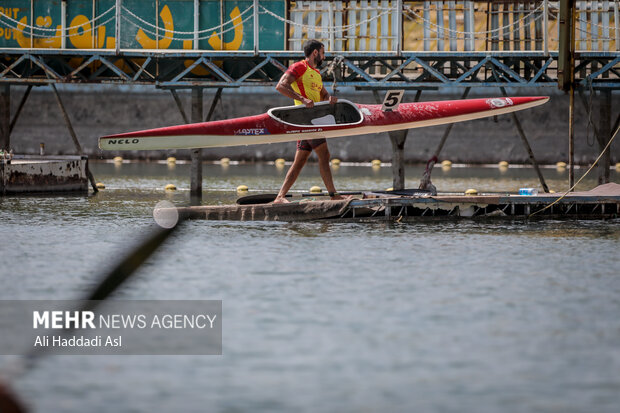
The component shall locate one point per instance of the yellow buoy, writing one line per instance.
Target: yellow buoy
(446, 163)
(560, 165)
(390, 189)
(618, 166)
(376, 162)
(225, 161)
(171, 159)
(118, 159)
(170, 187)
(279, 161)
(471, 191)
(551, 191)
(100, 185)
(242, 188)
(335, 161)
(503, 164)
(316, 190)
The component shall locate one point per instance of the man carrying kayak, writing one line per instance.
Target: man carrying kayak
(302, 82)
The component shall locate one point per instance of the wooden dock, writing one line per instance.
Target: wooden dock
(603, 202)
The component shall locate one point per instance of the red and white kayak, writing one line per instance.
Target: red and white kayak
(291, 123)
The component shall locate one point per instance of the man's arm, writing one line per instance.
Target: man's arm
(285, 88)
(326, 96)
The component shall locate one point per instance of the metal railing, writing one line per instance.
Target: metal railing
(344, 26)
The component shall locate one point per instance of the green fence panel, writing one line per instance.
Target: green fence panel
(166, 24)
(14, 10)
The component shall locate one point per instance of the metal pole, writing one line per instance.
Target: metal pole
(196, 154)
(529, 152)
(196, 23)
(179, 105)
(94, 31)
(256, 31)
(528, 148)
(605, 135)
(216, 98)
(617, 24)
(5, 144)
(398, 139)
(399, 33)
(19, 108)
(448, 129)
(63, 24)
(427, 26)
(78, 147)
(571, 125)
(331, 25)
(545, 27)
(31, 24)
(222, 24)
(571, 133)
(117, 26)
(588, 110)
(157, 24)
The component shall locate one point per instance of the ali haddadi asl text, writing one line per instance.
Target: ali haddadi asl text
(78, 341)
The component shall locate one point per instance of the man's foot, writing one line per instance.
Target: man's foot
(281, 200)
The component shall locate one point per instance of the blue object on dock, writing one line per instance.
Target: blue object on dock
(528, 191)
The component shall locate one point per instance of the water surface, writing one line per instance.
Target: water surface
(459, 316)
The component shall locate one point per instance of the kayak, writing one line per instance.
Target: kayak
(324, 120)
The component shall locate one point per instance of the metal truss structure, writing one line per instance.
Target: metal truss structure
(168, 69)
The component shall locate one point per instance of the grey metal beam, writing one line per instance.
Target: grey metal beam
(588, 110)
(216, 99)
(527, 146)
(5, 122)
(196, 154)
(78, 147)
(19, 108)
(571, 136)
(446, 133)
(605, 135)
(179, 105)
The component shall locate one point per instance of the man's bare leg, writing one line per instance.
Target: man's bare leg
(322, 152)
(301, 157)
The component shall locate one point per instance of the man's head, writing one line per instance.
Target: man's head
(314, 52)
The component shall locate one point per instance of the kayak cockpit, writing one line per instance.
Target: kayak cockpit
(323, 114)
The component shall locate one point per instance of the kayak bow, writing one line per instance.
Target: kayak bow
(291, 123)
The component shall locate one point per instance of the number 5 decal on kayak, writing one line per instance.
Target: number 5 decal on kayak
(392, 100)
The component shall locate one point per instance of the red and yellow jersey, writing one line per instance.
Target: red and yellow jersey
(308, 82)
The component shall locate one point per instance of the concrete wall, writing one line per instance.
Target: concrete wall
(97, 111)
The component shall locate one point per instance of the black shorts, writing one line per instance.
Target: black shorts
(309, 145)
